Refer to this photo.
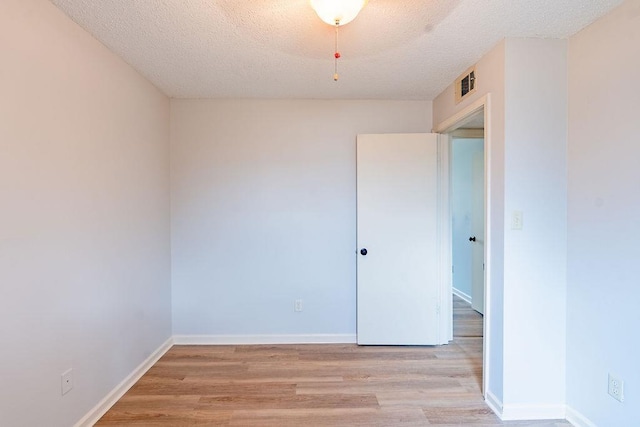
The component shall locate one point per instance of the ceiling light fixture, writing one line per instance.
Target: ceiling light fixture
(337, 13)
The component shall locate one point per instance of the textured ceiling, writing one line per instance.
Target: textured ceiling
(395, 49)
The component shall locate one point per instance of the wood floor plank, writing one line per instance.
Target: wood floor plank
(354, 417)
(201, 387)
(178, 418)
(206, 370)
(324, 401)
(162, 410)
(316, 385)
(258, 379)
(363, 387)
(381, 356)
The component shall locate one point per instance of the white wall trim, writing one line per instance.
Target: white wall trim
(462, 295)
(519, 412)
(445, 274)
(577, 419)
(114, 395)
(447, 126)
(488, 243)
(264, 339)
(457, 120)
(494, 403)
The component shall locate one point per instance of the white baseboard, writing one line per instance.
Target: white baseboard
(504, 412)
(110, 399)
(577, 419)
(525, 412)
(533, 412)
(462, 295)
(494, 403)
(264, 339)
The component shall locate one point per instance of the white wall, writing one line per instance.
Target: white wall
(535, 257)
(84, 224)
(264, 212)
(527, 81)
(463, 151)
(490, 80)
(604, 212)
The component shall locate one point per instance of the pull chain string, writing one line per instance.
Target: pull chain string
(336, 55)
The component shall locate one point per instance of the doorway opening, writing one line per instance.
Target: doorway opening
(467, 237)
(467, 219)
(469, 142)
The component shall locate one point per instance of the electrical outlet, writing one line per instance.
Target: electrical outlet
(517, 220)
(67, 381)
(616, 388)
(297, 306)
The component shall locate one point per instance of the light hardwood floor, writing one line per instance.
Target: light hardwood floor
(316, 385)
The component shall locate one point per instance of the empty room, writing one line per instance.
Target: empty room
(319, 213)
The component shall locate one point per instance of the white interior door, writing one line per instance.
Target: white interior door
(477, 224)
(399, 240)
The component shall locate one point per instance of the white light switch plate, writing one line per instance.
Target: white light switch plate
(517, 219)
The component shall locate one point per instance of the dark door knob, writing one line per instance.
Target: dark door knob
(472, 239)
(363, 251)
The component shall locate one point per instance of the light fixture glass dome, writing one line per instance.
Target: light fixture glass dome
(337, 12)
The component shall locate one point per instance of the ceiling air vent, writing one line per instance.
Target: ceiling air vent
(466, 84)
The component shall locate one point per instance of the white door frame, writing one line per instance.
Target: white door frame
(445, 276)
(445, 127)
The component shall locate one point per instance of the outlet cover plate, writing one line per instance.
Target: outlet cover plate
(616, 388)
(66, 381)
